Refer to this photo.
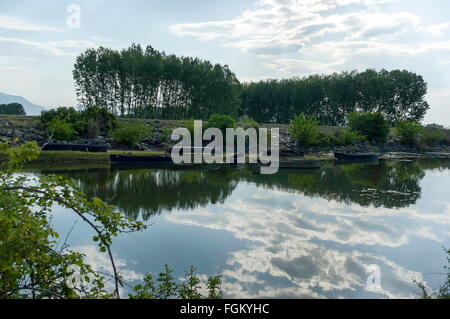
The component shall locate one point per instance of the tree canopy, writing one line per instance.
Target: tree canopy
(12, 109)
(147, 83)
(398, 95)
(151, 84)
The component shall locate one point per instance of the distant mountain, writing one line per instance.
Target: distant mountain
(30, 108)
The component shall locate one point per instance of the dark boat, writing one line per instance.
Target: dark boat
(356, 157)
(293, 164)
(140, 159)
(299, 164)
(75, 147)
(291, 153)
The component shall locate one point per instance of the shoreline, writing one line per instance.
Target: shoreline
(26, 128)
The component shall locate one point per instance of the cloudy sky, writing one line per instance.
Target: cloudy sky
(258, 39)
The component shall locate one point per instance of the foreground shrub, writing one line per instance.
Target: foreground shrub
(35, 265)
(130, 134)
(433, 134)
(408, 132)
(372, 126)
(222, 122)
(304, 130)
(166, 287)
(60, 130)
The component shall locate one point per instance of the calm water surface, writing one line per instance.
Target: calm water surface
(311, 234)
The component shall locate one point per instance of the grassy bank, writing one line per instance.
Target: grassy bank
(69, 157)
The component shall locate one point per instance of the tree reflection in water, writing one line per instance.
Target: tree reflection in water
(145, 192)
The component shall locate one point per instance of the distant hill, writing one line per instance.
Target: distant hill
(30, 108)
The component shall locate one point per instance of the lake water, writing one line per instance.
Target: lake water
(312, 234)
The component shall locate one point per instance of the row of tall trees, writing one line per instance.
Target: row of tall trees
(150, 84)
(12, 109)
(399, 95)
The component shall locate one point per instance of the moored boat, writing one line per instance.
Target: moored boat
(75, 147)
(140, 159)
(356, 156)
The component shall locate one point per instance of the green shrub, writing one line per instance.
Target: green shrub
(409, 132)
(99, 120)
(304, 130)
(373, 126)
(130, 134)
(90, 122)
(67, 114)
(61, 130)
(432, 134)
(248, 122)
(325, 139)
(222, 122)
(347, 137)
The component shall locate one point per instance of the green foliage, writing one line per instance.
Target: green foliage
(89, 122)
(433, 134)
(444, 290)
(31, 265)
(166, 287)
(304, 130)
(145, 83)
(12, 109)
(222, 122)
(398, 95)
(60, 130)
(347, 137)
(248, 122)
(409, 132)
(130, 134)
(372, 126)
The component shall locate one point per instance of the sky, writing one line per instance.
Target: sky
(258, 39)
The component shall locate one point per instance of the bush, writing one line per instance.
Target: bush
(222, 122)
(409, 132)
(61, 130)
(99, 121)
(68, 114)
(304, 130)
(433, 134)
(347, 137)
(90, 122)
(248, 122)
(373, 126)
(130, 134)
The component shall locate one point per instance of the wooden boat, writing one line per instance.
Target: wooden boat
(140, 159)
(356, 157)
(75, 147)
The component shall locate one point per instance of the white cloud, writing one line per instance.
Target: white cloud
(14, 23)
(288, 243)
(436, 29)
(59, 48)
(302, 30)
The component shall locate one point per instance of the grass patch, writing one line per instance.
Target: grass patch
(70, 157)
